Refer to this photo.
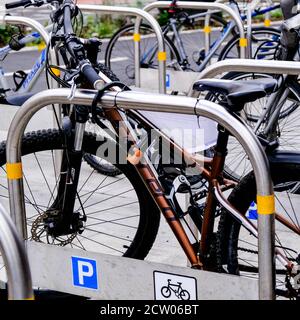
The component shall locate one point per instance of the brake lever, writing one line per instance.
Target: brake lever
(73, 88)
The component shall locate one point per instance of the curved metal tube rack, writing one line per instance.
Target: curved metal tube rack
(159, 103)
(40, 29)
(248, 65)
(15, 259)
(202, 5)
(140, 14)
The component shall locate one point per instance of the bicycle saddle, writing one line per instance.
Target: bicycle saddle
(237, 93)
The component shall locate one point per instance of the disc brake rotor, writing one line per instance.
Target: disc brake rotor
(38, 231)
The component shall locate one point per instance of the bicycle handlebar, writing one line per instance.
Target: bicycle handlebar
(17, 4)
(24, 3)
(76, 48)
(91, 75)
(68, 28)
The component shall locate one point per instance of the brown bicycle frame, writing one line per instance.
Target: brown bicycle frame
(156, 190)
(211, 170)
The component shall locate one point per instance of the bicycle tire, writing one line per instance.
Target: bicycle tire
(134, 233)
(184, 295)
(231, 241)
(111, 62)
(255, 75)
(166, 292)
(233, 44)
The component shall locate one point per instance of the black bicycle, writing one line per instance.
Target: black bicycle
(179, 292)
(274, 118)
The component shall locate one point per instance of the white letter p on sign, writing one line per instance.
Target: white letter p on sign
(85, 269)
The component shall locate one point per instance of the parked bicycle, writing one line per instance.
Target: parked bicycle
(25, 81)
(183, 43)
(121, 216)
(274, 118)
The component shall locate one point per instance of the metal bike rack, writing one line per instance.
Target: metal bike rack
(140, 14)
(250, 7)
(247, 65)
(207, 27)
(158, 103)
(179, 80)
(205, 6)
(52, 54)
(15, 260)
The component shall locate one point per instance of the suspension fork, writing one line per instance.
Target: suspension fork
(211, 202)
(70, 169)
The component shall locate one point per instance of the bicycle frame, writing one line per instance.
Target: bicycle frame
(37, 68)
(211, 171)
(174, 27)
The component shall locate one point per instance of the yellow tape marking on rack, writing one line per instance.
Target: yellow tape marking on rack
(265, 204)
(31, 298)
(267, 22)
(55, 71)
(162, 56)
(136, 37)
(14, 171)
(243, 42)
(41, 46)
(207, 29)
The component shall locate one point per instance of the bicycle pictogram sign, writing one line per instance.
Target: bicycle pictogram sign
(180, 293)
(169, 286)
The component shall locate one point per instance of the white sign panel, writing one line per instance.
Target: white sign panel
(168, 286)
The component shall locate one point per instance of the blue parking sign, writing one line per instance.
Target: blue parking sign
(168, 84)
(84, 273)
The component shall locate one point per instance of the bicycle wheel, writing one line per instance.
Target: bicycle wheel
(237, 249)
(264, 44)
(121, 217)
(184, 295)
(119, 54)
(237, 163)
(166, 292)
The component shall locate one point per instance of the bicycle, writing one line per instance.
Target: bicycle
(78, 213)
(179, 292)
(182, 43)
(274, 118)
(24, 82)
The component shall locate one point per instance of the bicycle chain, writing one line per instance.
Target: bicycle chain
(256, 252)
